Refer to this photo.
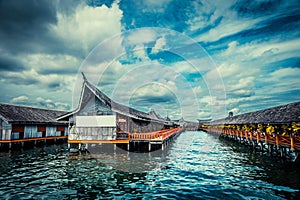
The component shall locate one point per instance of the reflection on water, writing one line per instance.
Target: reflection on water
(122, 160)
(195, 165)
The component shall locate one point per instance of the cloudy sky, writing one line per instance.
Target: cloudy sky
(194, 58)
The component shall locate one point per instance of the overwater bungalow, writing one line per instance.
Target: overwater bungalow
(274, 130)
(23, 124)
(98, 117)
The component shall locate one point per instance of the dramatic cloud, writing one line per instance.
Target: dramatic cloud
(88, 26)
(207, 56)
(44, 43)
(25, 28)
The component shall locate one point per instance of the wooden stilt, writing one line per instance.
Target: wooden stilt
(149, 146)
(292, 143)
(277, 140)
(270, 148)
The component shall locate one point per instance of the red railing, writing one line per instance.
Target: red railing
(292, 141)
(157, 135)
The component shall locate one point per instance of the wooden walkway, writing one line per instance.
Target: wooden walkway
(4, 144)
(148, 141)
(286, 146)
(120, 141)
(160, 135)
(155, 136)
(278, 140)
(34, 139)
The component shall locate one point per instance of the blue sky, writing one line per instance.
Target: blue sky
(191, 59)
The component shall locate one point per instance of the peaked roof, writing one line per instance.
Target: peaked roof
(114, 106)
(280, 114)
(25, 114)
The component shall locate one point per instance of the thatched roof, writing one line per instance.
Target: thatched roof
(90, 91)
(276, 115)
(24, 114)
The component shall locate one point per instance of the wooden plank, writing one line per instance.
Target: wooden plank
(33, 139)
(99, 141)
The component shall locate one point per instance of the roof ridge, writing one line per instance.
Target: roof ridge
(270, 108)
(23, 106)
(267, 115)
(112, 101)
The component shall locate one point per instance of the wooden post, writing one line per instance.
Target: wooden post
(242, 135)
(292, 143)
(277, 141)
(115, 149)
(149, 146)
(258, 137)
(281, 152)
(261, 146)
(284, 152)
(270, 148)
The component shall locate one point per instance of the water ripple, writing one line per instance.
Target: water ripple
(195, 166)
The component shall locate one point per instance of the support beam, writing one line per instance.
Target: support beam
(149, 146)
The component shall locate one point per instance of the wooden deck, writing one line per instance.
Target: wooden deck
(125, 141)
(278, 140)
(157, 136)
(34, 139)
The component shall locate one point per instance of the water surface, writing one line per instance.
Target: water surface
(195, 165)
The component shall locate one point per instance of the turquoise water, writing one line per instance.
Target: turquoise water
(195, 166)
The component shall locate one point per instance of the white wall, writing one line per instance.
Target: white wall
(96, 121)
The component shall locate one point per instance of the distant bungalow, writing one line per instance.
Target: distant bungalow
(275, 131)
(22, 124)
(284, 114)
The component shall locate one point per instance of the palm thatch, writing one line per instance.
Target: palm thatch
(89, 91)
(25, 114)
(276, 115)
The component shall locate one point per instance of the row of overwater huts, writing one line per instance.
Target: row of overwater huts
(97, 117)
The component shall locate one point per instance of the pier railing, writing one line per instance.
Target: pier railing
(157, 135)
(291, 141)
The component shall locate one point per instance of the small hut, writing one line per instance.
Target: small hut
(22, 123)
